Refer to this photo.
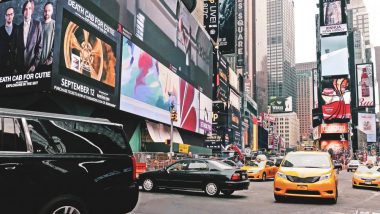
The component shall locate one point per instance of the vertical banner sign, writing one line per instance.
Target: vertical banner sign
(222, 79)
(227, 26)
(365, 85)
(240, 25)
(315, 88)
(211, 18)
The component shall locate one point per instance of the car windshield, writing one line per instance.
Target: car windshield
(220, 164)
(256, 164)
(365, 169)
(307, 161)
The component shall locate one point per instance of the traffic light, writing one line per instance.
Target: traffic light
(173, 115)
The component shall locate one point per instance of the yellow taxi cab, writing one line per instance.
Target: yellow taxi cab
(306, 174)
(366, 177)
(260, 170)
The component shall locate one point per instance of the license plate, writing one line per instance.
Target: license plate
(302, 187)
(368, 182)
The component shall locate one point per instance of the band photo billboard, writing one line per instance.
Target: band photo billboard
(334, 56)
(367, 124)
(26, 59)
(89, 53)
(333, 19)
(281, 104)
(336, 100)
(227, 26)
(149, 89)
(211, 18)
(365, 85)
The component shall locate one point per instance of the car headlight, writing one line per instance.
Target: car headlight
(281, 175)
(325, 177)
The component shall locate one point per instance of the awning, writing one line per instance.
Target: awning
(160, 132)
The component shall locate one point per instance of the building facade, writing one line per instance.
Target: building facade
(288, 126)
(304, 73)
(281, 49)
(361, 23)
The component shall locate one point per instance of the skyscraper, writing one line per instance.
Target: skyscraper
(361, 23)
(281, 49)
(304, 72)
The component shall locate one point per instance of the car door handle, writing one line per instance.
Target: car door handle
(10, 168)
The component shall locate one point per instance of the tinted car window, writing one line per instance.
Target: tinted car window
(182, 165)
(12, 135)
(197, 165)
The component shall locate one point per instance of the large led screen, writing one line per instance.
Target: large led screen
(88, 53)
(227, 26)
(333, 17)
(336, 99)
(26, 59)
(334, 56)
(281, 104)
(365, 85)
(222, 79)
(149, 89)
(338, 147)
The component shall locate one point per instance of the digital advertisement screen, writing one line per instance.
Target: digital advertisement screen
(337, 146)
(26, 60)
(365, 85)
(315, 88)
(222, 79)
(334, 128)
(89, 55)
(334, 56)
(367, 124)
(227, 26)
(333, 17)
(281, 104)
(149, 89)
(336, 100)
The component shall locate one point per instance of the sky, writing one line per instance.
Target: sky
(305, 11)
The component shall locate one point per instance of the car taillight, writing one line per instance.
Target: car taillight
(235, 177)
(133, 168)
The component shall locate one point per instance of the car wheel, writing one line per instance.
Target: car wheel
(212, 189)
(279, 198)
(148, 185)
(264, 178)
(228, 192)
(65, 204)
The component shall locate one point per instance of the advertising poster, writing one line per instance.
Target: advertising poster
(227, 26)
(211, 18)
(334, 128)
(367, 124)
(26, 59)
(216, 140)
(149, 89)
(205, 114)
(336, 100)
(235, 123)
(333, 17)
(234, 99)
(88, 55)
(222, 79)
(338, 147)
(281, 104)
(365, 85)
(334, 56)
(240, 32)
(233, 79)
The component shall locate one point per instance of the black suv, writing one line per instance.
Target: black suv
(52, 163)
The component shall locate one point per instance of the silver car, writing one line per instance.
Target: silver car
(353, 165)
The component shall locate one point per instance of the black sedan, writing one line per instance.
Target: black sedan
(211, 176)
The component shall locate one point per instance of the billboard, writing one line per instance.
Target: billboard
(240, 32)
(336, 100)
(235, 123)
(334, 56)
(26, 60)
(216, 139)
(233, 79)
(211, 18)
(227, 26)
(281, 104)
(367, 124)
(148, 89)
(88, 52)
(334, 128)
(338, 147)
(333, 19)
(222, 79)
(365, 85)
(234, 99)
